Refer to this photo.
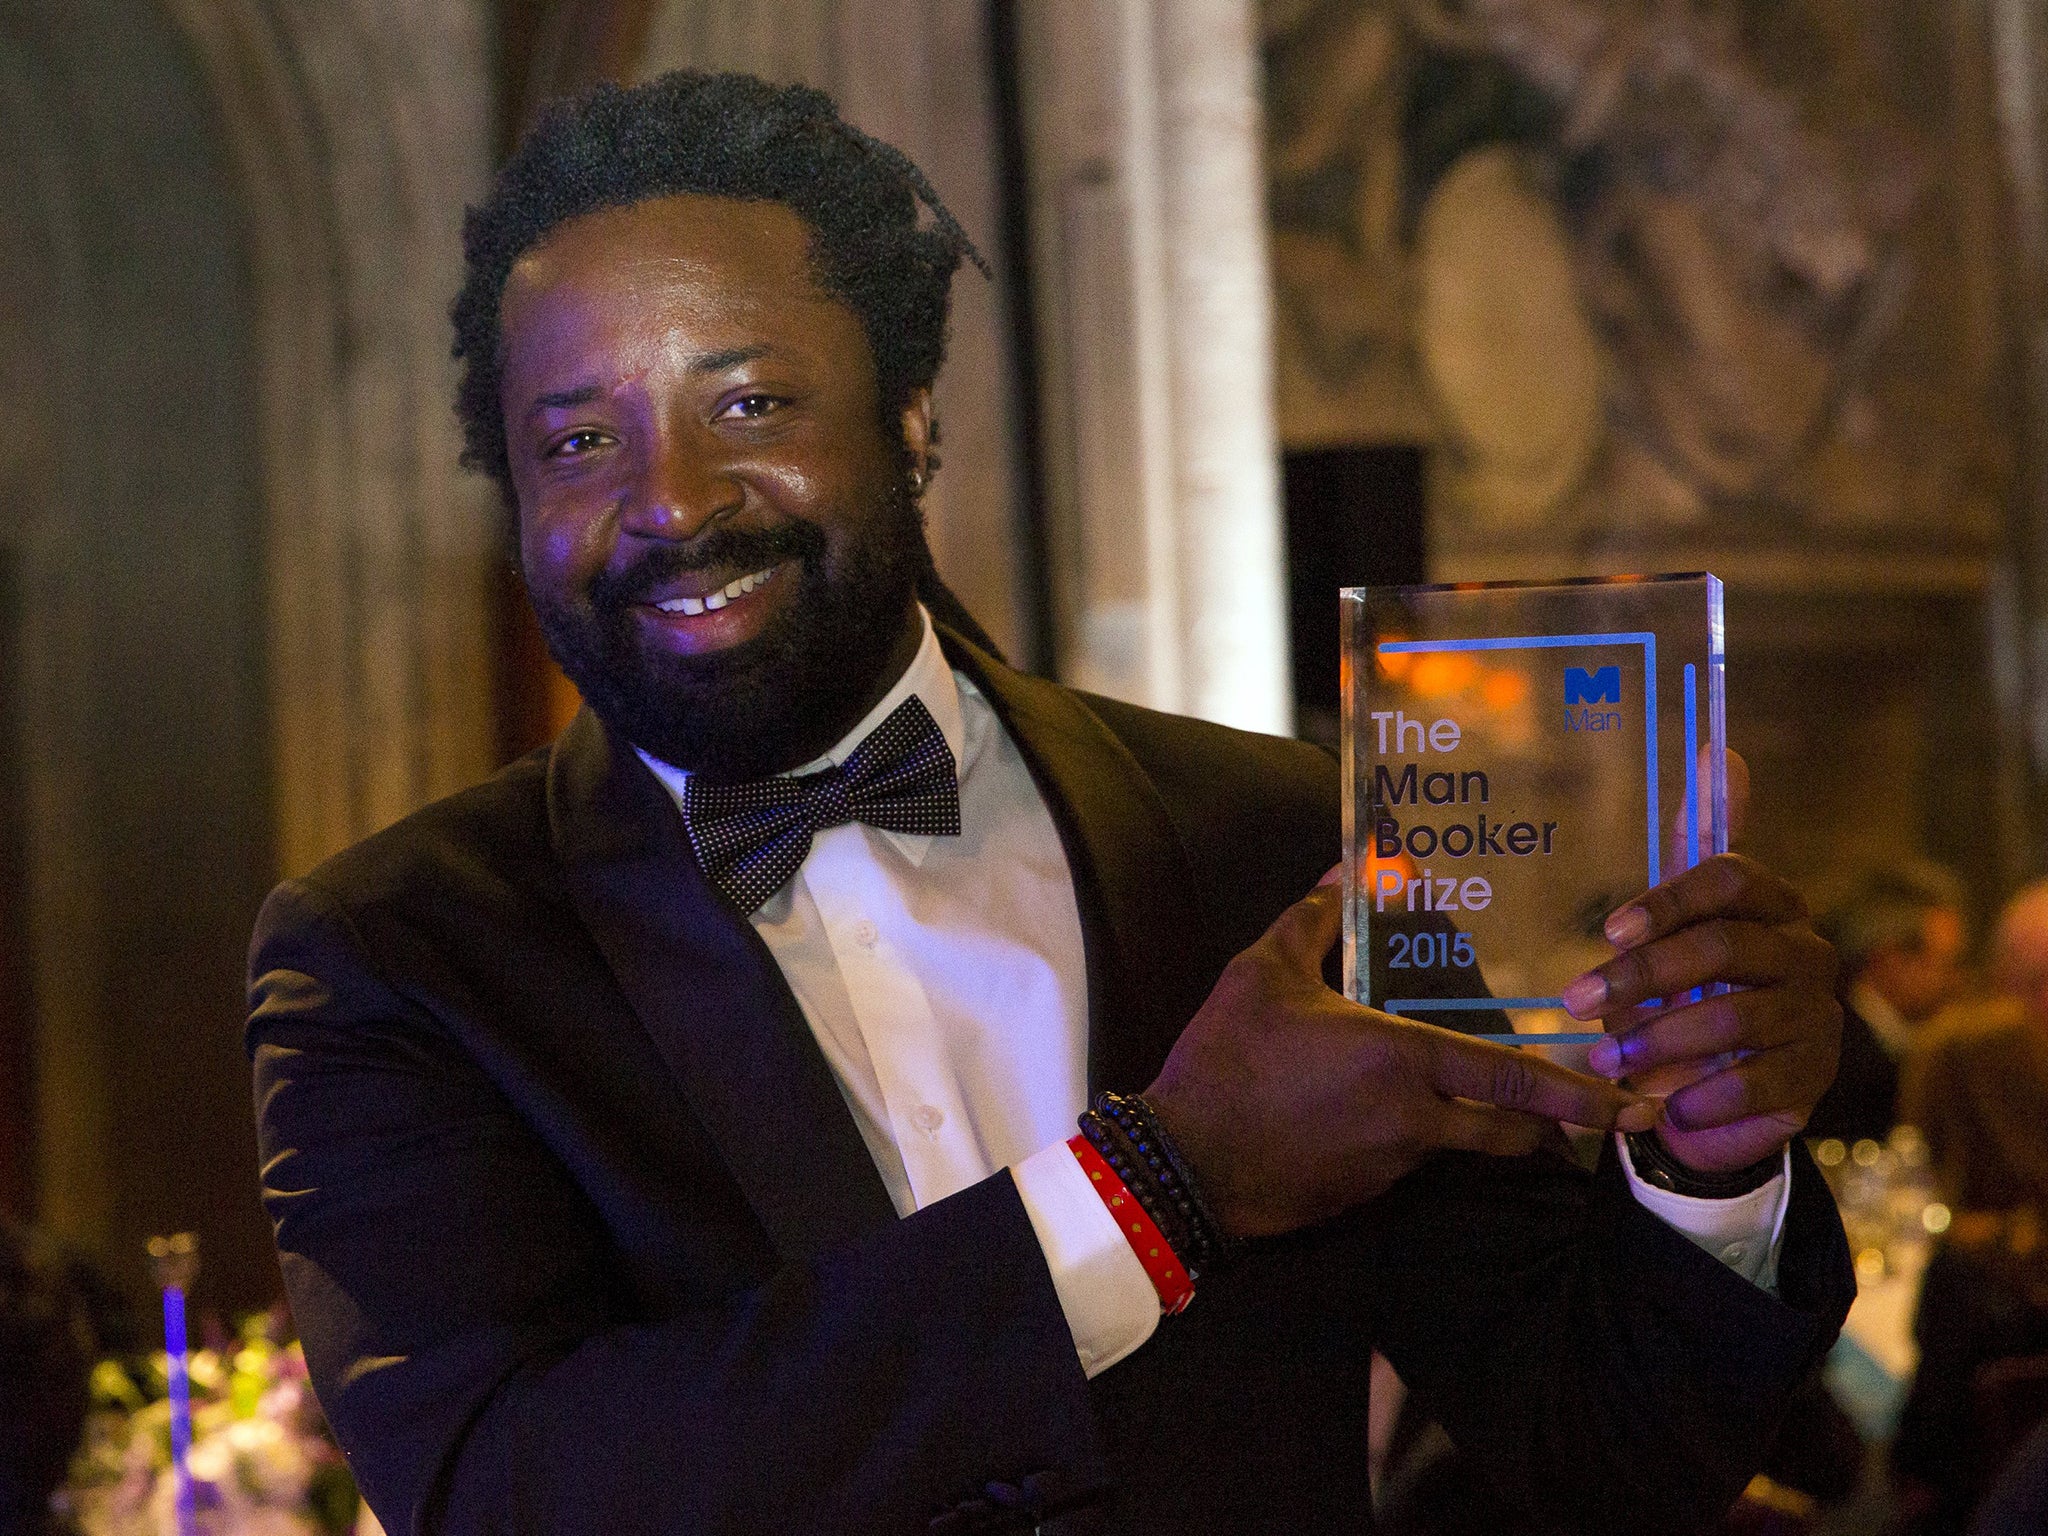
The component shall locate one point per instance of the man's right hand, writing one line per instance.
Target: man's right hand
(1292, 1103)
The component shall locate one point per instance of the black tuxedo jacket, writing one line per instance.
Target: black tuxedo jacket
(581, 1236)
(1863, 1100)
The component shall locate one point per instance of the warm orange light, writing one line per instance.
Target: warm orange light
(1395, 664)
(1440, 673)
(1372, 864)
(1504, 690)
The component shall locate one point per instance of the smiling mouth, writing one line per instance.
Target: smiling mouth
(711, 602)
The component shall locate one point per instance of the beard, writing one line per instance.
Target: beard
(775, 701)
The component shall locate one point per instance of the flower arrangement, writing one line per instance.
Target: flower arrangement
(262, 1461)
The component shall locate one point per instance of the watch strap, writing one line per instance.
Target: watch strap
(1655, 1166)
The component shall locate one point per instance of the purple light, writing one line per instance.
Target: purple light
(181, 1403)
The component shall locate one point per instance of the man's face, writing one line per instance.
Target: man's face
(2022, 954)
(714, 526)
(1920, 981)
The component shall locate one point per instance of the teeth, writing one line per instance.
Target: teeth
(712, 602)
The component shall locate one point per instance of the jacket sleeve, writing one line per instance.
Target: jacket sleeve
(486, 1369)
(1581, 1352)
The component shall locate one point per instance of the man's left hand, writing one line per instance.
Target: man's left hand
(1740, 1070)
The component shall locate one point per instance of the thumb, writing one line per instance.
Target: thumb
(1303, 934)
(1738, 795)
(1678, 852)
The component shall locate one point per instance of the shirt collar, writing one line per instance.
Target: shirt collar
(928, 677)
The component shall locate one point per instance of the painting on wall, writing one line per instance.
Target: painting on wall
(1628, 265)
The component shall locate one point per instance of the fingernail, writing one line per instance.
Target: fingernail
(1628, 927)
(1585, 995)
(1639, 1116)
(1336, 873)
(1605, 1057)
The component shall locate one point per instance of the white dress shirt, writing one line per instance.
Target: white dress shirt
(945, 981)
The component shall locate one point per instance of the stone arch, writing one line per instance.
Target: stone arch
(243, 584)
(136, 767)
(358, 130)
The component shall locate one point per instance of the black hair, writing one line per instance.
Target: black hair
(724, 135)
(1887, 908)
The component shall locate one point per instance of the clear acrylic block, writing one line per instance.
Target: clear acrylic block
(1519, 760)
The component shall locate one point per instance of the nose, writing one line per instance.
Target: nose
(686, 484)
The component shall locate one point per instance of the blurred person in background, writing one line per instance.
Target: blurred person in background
(45, 1362)
(1901, 937)
(1977, 1086)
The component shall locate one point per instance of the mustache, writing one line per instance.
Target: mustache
(747, 548)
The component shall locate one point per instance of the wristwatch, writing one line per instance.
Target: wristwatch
(1657, 1168)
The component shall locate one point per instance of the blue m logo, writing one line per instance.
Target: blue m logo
(1601, 687)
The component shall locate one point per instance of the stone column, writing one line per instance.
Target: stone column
(2019, 48)
(1148, 214)
(358, 131)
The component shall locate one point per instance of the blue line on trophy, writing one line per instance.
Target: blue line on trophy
(1407, 1005)
(1644, 638)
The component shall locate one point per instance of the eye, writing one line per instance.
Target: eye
(749, 407)
(577, 444)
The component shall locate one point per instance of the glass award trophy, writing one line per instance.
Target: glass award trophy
(1519, 760)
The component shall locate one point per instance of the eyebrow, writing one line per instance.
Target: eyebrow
(707, 362)
(732, 357)
(563, 399)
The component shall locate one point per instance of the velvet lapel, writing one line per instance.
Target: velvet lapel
(709, 993)
(1141, 922)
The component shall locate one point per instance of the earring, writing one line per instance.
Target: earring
(917, 480)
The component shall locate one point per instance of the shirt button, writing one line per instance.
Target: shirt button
(1736, 1254)
(865, 934)
(928, 1118)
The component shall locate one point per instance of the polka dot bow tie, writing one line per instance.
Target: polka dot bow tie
(750, 838)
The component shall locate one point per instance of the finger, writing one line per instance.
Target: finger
(1788, 1079)
(1681, 850)
(1744, 954)
(1501, 1075)
(1332, 875)
(1727, 885)
(1752, 1020)
(1302, 935)
(1467, 1127)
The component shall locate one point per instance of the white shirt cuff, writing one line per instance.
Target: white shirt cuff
(1110, 1302)
(1742, 1233)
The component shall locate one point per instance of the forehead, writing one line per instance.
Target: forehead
(2023, 934)
(688, 270)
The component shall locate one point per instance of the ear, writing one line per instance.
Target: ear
(917, 430)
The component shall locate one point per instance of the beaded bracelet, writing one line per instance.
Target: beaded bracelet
(1161, 1203)
(1132, 1114)
(1124, 1129)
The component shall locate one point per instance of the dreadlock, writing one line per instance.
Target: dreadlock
(724, 135)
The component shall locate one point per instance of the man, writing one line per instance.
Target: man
(673, 1133)
(1900, 937)
(1978, 1088)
